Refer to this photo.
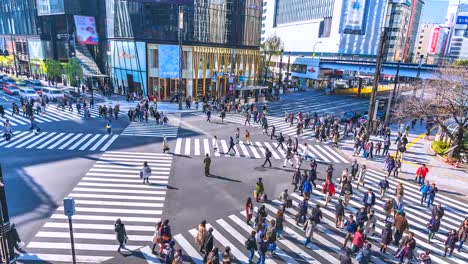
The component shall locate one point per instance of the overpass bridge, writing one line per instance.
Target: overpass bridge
(426, 71)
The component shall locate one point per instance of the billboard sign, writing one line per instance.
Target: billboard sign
(355, 16)
(434, 40)
(50, 7)
(86, 32)
(169, 61)
(35, 49)
(462, 20)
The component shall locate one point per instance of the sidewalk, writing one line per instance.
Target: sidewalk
(450, 180)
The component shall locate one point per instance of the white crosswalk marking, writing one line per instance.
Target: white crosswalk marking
(255, 150)
(326, 243)
(98, 206)
(61, 141)
(151, 129)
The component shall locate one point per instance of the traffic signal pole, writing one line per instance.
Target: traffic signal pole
(378, 69)
(6, 243)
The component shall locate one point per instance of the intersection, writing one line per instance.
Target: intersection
(101, 172)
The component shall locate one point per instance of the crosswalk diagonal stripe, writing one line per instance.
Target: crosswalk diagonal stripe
(109, 143)
(16, 134)
(225, 148)
(326, 153)
(187, 146)
(244, 149)
(336, 154)
(29, 137)
(261, 148)
(187, 247)
(70, 141)
(42, 139)
(50, 141)
(103, 138)
(197, 147)
(254, 151)
(206, 146)
(80, 141)
(60, 141)
(89, 142)
(178, 146)
(268, 146)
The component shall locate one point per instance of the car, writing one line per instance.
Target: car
(35, 83)
(71, 95)
(38, 89)
(10, 89)
(350, 116)
(363, 119)
(28, 94)
(52, 94)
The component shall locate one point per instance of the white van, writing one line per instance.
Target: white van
(52, 94)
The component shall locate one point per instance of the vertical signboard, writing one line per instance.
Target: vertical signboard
(434, 40)
(355, 17)
(86, 30)
(50, 7)
(169, 61)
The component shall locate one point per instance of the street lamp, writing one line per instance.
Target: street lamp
(313, 51)
(280, 70)
(181, 27)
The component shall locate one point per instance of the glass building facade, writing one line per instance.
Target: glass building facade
(220, 37)
(290, 11)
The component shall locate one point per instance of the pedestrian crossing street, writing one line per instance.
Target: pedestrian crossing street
(201, 146)
(51, 114)
(111, 189)
(311, 102)
(151, 129)
(327, 240)
(278, 122)
(59, 141)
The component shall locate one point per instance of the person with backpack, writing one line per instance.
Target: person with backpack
(280, 139)
(339, 213)
(406, 248)
(383, 185)
(166, 235)
(433, 227)
(450, 242)
(213, 256)
(364, 255)
(268, 155)
(303, 206)
(270, 236)
(251, 245)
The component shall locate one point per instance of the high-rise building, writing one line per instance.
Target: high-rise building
(402, 22)
(429, 45)
(220, 46)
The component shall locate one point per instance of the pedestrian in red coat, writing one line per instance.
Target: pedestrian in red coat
(329, 190)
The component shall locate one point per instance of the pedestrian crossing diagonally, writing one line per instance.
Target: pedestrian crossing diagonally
(111, 189)
(327, 240)
(278, 122)
(61, 141)
(52, 114)
(256, 150)
(151, 129)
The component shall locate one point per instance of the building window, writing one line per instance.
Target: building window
(290, 11)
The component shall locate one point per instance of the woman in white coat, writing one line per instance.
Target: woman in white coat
(165, 145)
(361, 177)
(369, 227)
(145, 173)
(214, 143)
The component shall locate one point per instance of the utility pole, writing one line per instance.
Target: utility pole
(378, 69)
(12, 40)
(6, 244)
(392, 96)
(418, 74)
(181, 27)
(280, 80)
(288, 70)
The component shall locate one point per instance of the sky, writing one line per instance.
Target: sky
(435, 11)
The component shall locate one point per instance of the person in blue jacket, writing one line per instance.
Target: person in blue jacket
(424, 191)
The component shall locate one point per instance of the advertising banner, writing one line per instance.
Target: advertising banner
(434, 40)
(35, 49)
(169, 61)
(50, 7)
(355, 16)
(86, 30)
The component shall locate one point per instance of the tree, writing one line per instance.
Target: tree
(445, 99)
(270, 48)
(53, 69)
(72, 69)
(460, 63)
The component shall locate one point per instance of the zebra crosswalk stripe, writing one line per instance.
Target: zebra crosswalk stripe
(50, 141)
(103, 138)
(89, 142)
(79, 142)
(70, 141)
(107, 145)
(192, 252)
(98, 204)
(16, 134)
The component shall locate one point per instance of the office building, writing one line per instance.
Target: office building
(429, 46)
(35, 30)
(403, 23)
(220, 46)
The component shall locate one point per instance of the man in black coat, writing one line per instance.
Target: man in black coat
(208, 244)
